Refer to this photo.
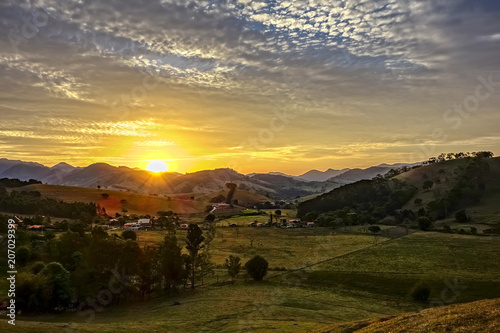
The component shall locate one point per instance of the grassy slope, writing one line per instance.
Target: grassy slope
(394, 267)
(479, 316)
(135, 203)
(486, 211)
(244, 307)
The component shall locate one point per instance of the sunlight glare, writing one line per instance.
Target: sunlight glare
(157, 166)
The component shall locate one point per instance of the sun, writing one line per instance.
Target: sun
(157, 166)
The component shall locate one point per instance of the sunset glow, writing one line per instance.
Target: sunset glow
(263, 86)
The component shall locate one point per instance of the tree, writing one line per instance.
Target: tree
(277, 214)
(22, 255)
(424, 223)
(257, 267)
(194, 240)
(427, 185)
(129, 234)
(420, 293)
(462, 216)
(210, 218)
(58, 286)
(233, 265)
(170, 263)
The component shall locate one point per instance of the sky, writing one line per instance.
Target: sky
(256, 86)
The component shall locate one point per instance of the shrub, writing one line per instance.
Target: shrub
(129, 234)
(462, 216)
(22, 255)
(446, 228)
(257, 267)
(420, 293)
(424, 223)
(417, 201)
(37, 267)
(374, 229)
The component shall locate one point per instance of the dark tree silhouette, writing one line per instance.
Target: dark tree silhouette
(194, 240)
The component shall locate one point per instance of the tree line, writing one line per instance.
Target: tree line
(71, 270)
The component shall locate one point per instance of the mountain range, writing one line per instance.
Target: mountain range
(273, 184)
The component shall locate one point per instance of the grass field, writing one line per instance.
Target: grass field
(393, 267)
(244, 307)
(288, 248)
(339, 279)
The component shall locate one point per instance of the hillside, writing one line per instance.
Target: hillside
(316, 175)
(136, 203)
(437, 190)
(445, 176)
(290, 188)
(355, 175)
(479, 316)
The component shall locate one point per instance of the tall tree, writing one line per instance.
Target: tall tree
(233, 265)
(171, 263)
(194, 243)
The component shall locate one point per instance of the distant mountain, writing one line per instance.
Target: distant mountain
(6, 164)
(64, 167)
(273, 184)
(288, 187)
(319, 176)
(26, 171)
(355, 175)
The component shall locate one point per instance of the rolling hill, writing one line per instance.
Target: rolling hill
(318, 176)
(454, 185)
(479, 316)
(137, 203)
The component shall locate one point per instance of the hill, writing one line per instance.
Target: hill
(316, 175)
(437, 190)
(354, 175)
(479, 316)
(289, 188)
(136, 203)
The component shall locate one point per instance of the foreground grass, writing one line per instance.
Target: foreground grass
(256, 307)
(351, 283)
(440, 260)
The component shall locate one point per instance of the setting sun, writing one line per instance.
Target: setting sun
(157, 166)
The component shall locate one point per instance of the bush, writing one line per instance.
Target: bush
(257, 267)
(473, 230)
(37, 267)
(417, 201)
(22, 255)
(424, 223)
(462, 216)
(129, 234)
(420, 293)
(446, 228)
(374, 229)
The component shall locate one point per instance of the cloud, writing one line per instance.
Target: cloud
(351, 68)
